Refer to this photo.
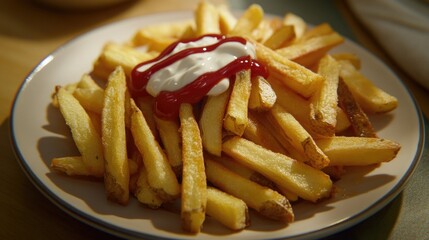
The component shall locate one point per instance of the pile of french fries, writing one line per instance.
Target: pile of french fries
(263, 144)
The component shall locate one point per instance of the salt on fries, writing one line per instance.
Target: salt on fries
(262, 144)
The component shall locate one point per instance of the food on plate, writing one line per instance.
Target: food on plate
(223, 115)
(227, 209)
(194, 185)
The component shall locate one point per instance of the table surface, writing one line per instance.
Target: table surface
(29, 32)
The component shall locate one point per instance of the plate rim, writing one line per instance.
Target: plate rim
(121, 232)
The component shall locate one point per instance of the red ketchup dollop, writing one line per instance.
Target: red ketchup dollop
(167, 103)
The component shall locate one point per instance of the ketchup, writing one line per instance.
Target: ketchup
(167, 103)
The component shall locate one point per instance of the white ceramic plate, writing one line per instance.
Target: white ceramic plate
(39, 134)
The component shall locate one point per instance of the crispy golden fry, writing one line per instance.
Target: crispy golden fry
(160, 175)
(299, 137)
(90, 99)
(266, 201)
(146, 106)
(227, 20)
(358, 151)
(232, 212)
(144, 193)
(96, 121)
(371, 98)
(158, 37)
(305, 181)
(262, 96)
(297, 77)
(254, 176)
(281, 37)
(343, 122)
(259, 134)
(117, 175)
(298, 23)
(87, 82)
(235, 120)
(114, 55)
(273, 128)
(248, 21)
(243, 171)
(68, 87)
(206, 19)
(265, 29)
(350, 57)
(194, 186)
(171, 140)
(300, 108)
(317, 31)
(72, 166)
(359, 121)
(84, 134)
(308, 52)
(211, 122)
(323, 106)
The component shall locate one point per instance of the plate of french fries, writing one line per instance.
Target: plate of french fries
(327, 138)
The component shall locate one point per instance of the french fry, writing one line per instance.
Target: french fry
(262, 96)
(87, 82)
(84, 134)
(72, 166)
(297, 77)
(227, 20)
(243, 171)
(157, 37)
(308, 52)
(116, 175)
(266, 201)
(273, 129)
(300, 108)
(254, 176)
(359, 121)
(298, 23)
(235, 120)
(259, 134)
(281, 37)
(248, 21)
(305, 181)
(343, 122)
(160, 175)
(90, 99)
(350, 57)
(206, 19)
(323, 106)
(144, 192)
(194, 185)
(299, 137)
(317, 31)
(114, 55)
(171, 140)
(371, 98)
(232, 212)
(265, 29)
(145, 104)
(211, 122)
(358, 151)
(68, 87)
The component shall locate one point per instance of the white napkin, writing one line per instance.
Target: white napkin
(402, 28)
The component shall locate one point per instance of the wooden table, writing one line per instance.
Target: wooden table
(29, 32)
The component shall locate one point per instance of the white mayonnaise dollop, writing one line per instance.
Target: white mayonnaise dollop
(188, 69)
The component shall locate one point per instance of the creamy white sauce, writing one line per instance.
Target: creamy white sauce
(188, 69)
